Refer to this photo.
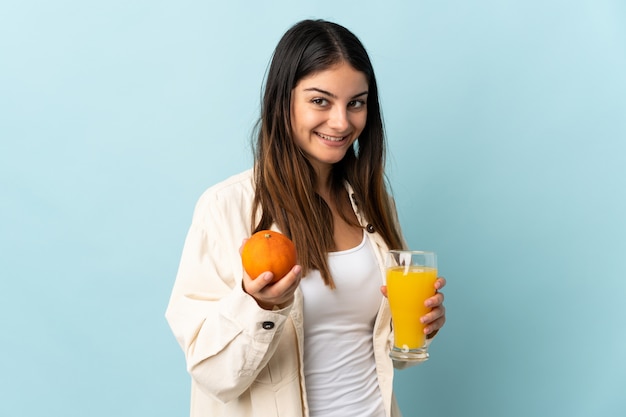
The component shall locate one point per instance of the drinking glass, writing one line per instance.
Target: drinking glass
(411, 277)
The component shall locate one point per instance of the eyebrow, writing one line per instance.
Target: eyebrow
(328, 93)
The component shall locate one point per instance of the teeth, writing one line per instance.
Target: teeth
(331, 138)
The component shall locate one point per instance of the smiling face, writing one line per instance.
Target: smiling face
(328, 113)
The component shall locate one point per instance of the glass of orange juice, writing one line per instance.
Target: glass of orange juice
(411, 277)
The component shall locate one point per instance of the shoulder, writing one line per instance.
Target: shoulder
(235, 185)
(232, 197)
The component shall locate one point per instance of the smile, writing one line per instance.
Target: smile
(330, 138)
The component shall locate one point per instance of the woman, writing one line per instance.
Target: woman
(315, 343)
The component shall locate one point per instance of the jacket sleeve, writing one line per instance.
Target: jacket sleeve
(226, 337)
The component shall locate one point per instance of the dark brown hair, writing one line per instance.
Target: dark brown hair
(285, 180)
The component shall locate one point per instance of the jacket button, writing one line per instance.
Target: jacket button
(369, 228)
(268, 325)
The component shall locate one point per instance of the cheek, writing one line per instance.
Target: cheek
(297, 116)
(306, 121)
(360, 121)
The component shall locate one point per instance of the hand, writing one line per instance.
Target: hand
(435, 319)
(268, 295)
(437, 316)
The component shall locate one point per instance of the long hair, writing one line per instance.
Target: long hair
(285, 179)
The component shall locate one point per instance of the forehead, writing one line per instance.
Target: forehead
(338, 79)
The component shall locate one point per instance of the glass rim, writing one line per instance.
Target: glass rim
(415, 252)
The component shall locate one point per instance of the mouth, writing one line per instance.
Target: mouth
(331, 138)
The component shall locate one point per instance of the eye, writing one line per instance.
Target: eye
(320, 102)
(356, 104)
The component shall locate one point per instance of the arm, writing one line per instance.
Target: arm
(220, 327)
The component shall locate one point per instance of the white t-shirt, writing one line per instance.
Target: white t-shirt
(339, 366)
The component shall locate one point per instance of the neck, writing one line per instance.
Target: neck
(323, 180)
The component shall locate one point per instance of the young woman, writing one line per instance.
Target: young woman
(315, 343)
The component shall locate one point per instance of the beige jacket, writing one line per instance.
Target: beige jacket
(245, 361)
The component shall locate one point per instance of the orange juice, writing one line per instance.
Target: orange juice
(407, 291)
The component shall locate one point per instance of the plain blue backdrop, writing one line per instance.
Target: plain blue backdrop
(507, 133)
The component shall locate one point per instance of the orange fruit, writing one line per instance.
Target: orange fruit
(268, 250)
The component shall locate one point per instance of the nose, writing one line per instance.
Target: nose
(338, 119)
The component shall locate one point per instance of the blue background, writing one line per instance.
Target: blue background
(507, 133)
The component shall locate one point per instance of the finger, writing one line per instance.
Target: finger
(287, 283)
(243, 242)
(280, 293)
(255, 286)
(434, 315)
(434, 326)
(383, 290)
(435, 300)
(440, 283)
